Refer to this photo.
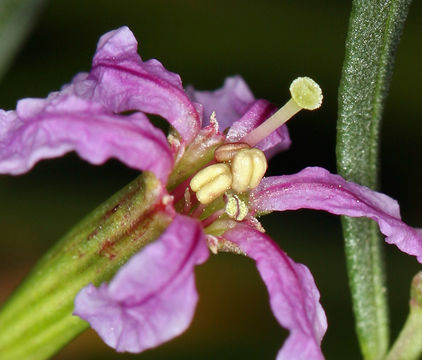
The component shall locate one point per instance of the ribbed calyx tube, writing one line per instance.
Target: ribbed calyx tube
(37, 320)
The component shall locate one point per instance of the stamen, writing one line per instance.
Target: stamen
(211, 182)
(306, 94)
(226, 152)
(210, 219)
(167, 199)
(187, 201)
(214, 122)
(198, 211)
(248, 168)
(212, 242)
(236, 208)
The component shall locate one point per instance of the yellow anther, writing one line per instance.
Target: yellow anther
(226, 152)
(248, 168)
(211, 182)
(236, 208)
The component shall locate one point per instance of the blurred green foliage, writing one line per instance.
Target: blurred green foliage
(269, 43)
(16, 21)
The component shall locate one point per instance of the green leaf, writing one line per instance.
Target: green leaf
(16, 20)
(408, 345)
(37, 320)
(374, 31)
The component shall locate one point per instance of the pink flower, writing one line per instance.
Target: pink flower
(153, 297)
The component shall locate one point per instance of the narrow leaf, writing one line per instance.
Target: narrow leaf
(374, 31)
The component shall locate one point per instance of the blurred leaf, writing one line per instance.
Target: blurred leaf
(374, 31)
(16, 20)
(408, 345)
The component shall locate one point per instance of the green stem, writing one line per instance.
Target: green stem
(408, 345)
(374, 31)
(37, 320)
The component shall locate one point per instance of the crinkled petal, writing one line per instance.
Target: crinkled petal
(316, 188)
(123, 82)
(294, 297)
(236, 107)
(153, 297)
(229, 102)
(47, 128)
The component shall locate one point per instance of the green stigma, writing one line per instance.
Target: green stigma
(306, 93)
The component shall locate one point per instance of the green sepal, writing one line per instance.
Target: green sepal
(37, 320)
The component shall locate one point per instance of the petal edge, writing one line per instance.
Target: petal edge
(153, 297)
(316, 188)
(294, 297)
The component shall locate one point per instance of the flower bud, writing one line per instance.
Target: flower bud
(248, 168)
(211, 182)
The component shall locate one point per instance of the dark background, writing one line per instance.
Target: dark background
(269, 43)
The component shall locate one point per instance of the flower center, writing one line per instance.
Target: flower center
(211, 182)
(239, 168)
(233, 168)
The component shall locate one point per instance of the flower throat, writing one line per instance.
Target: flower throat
(238, 167)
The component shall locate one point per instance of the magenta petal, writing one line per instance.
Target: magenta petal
(236, 107)
(41, 129)
(124, 82)
(153, 297)
(316, 188)
(294, 297)
(229, 102)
